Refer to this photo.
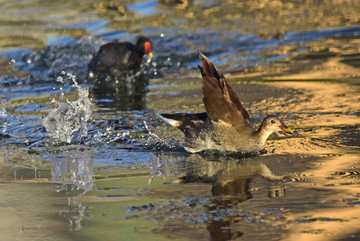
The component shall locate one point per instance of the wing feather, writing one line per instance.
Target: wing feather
(221, 102)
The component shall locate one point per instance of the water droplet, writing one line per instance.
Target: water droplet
(3, 112)
(60, 79)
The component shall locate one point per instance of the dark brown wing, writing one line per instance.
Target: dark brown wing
(221, 102)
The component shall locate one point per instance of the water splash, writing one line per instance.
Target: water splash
(154, 142)
(67, 123)
(3, 115)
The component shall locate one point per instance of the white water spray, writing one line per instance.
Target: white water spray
(67, 123)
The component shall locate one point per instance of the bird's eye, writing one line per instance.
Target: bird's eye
(273, 121)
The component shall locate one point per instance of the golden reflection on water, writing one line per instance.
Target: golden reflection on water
(345, 216)
(333, 183)
(328, 58)
(319, 113)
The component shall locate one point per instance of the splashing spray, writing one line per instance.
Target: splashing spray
(67, 122)
(3, 115)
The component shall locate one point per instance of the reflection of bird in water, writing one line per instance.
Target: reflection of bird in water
(231, 187)
(230, 179)
(229, 176)
(119, 59)
(127, 94)
(225, 125)
(115, 67)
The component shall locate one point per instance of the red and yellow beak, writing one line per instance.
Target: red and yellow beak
(148, 49)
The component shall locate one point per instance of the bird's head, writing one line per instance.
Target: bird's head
(273, 124)
(144, 44)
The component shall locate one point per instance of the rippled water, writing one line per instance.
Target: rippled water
(112, 170)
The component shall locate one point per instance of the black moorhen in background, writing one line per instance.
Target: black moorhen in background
(118, 59)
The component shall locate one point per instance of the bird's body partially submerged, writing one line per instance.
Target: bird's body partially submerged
(225, 126)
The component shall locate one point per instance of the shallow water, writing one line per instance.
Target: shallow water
(116, 181)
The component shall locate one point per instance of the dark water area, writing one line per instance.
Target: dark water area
(89, 159)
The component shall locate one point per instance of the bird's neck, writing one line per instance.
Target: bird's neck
(262, 134)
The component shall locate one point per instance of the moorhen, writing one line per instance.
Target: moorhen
(118, 59)
(225, 126)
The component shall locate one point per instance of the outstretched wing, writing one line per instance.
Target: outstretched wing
(221, 102)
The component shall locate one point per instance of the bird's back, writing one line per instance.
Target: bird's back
(116, 59)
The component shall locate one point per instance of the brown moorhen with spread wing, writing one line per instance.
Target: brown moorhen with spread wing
(225, 126)
(118, 59)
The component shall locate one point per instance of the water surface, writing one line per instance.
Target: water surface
(113, 180)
